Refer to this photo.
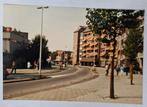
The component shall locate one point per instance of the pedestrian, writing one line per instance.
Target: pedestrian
(36, 65)
(28, 65)
(107, 68)
(49, 61)
(13, 67)
(121, 69)
(131, 74)
(127, 68)
(63, 65)
(60, 65)
(117, 68)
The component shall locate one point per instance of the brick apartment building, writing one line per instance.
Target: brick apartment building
(86, 48)
(88, 51)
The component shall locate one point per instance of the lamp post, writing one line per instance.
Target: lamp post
(40, 53)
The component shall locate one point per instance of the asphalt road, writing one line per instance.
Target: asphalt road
(27, 87)
(30, 73)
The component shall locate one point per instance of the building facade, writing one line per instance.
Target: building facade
(89, 51)
(86, 48)
(76, 44)
(12, 41)
(63, 57)
(89, 48)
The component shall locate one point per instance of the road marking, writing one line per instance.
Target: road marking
(55, 76)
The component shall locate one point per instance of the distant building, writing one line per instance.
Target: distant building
(64, 57)
(12, 40)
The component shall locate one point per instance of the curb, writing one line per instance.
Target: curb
(36, 77)
(25, 79)
(17, 80)
(29, 79)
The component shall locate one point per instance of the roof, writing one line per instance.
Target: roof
(80, 28)
(87, 29)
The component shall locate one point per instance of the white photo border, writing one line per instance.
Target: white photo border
(108, 4)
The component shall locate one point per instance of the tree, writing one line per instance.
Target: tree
(112, 23)
(54, 55)
(133, 45)
(30, 52)
(20, 55)
(35, 48)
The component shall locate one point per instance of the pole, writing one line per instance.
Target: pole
(40, 53)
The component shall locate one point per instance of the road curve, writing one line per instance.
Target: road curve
(26, 87)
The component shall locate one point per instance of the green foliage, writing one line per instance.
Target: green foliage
(112, 22)
(21, 54)
(30, 51)
(133, 44)
(54, 55)
(35, 48)
(104, 40)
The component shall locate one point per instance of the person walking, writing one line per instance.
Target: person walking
(107, 68)
(13, 67)
(131, 74)
(49, 61)
(36, 65)
(117, 68)
(28, 65)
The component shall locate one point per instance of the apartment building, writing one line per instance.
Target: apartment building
(89, 48)
(85, 47)
(89, 51)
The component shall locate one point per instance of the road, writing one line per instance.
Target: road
(54, 81)
(94, 90)
(33, 73)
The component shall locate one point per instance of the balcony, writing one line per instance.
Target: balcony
(87, 59)
(89, 49)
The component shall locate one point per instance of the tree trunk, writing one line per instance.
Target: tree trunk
(131, 74)
(99, 52)
(112, 72)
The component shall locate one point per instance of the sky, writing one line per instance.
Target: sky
(58, 27)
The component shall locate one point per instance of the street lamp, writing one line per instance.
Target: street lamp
(40, 53)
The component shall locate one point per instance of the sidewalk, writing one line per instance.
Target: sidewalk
(96, 90)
